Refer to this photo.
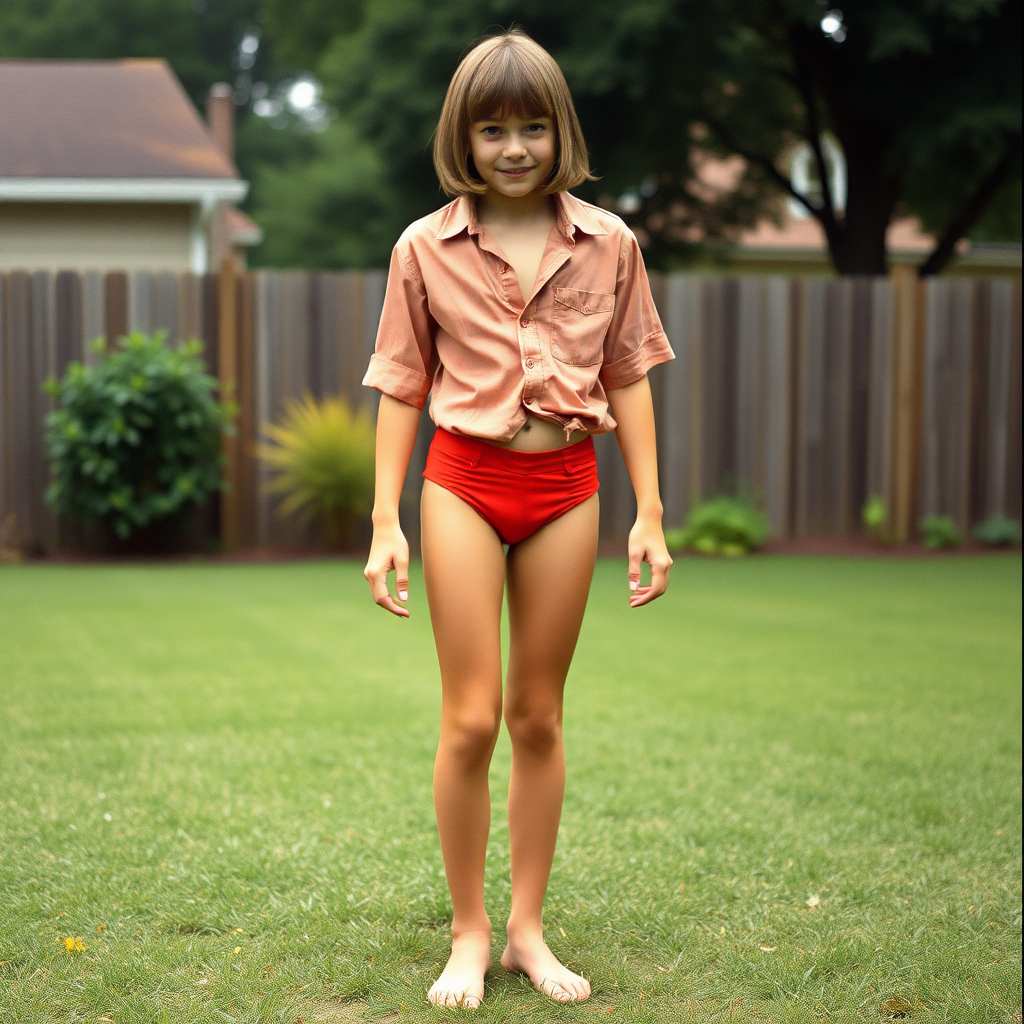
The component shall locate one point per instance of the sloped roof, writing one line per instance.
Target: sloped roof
(105, 119)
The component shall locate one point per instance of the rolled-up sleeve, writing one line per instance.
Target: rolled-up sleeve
(404, 359)
(636, 341)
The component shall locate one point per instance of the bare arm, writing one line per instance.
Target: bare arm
(396, 436)
(633, 410)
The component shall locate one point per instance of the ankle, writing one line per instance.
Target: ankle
(524, 931)
(462, 929)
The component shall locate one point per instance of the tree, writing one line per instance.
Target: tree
(198, 38)
(923, 96)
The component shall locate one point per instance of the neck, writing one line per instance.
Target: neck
(492, 207)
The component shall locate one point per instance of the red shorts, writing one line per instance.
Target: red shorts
(515, 492)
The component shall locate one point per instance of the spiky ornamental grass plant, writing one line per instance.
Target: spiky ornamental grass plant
(136, 438)
(323, 457)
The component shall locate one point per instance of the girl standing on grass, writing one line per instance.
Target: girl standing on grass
(526, 316)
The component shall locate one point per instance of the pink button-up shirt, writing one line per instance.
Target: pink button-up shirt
(456, 326)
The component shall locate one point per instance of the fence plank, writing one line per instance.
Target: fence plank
(190, 306)
(264, 287)
(978, 355)
(777, 468)
(140, 301)
(227, 374)
(674, 435)
(6, 468)
(999, 353)
(115, 306)
(1013, 412)
(43, 363)
(908, 398)
(810, 483)
(93, 316)
(878, 462)
(166, 287)
(67, 320)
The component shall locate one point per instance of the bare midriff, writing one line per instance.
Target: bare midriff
(537, 435)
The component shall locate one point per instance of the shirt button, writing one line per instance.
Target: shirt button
(524, 322)
(529, 364)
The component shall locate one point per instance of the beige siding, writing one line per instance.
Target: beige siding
(94, 236)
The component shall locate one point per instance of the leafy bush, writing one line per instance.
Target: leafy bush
(940, 532)
(724, 525)
(135, 438)
(874, 516)
(323, 455)
(997, 531)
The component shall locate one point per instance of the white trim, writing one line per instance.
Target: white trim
(123, 190)
(199, 235)
(800, 161)
(247, 236)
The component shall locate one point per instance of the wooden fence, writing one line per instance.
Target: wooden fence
(810, 393)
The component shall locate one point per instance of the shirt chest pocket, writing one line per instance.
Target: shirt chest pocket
(579, 324)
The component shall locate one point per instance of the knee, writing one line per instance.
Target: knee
(534, 729)
(470, 736)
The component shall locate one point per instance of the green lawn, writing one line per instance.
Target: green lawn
(794, 795)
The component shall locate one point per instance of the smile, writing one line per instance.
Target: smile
(514, 172)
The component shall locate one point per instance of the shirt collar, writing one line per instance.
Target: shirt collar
(571, 215)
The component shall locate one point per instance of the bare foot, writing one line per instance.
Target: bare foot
(462, 980)
(530, 955)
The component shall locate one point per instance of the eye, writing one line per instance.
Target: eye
(536, 129)
(491, 131)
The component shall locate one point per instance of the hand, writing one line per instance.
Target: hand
(647, 544)
(389, 551)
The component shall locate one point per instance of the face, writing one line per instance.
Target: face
(513, 156)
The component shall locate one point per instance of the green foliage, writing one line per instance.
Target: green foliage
(327, 206)
(997, 531)
(323, 455)
(725, 525)
(940, 532)
(135, 438)
(198, 38)
(874, 516)
(914, 85)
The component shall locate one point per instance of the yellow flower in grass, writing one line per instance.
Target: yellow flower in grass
(73, 944)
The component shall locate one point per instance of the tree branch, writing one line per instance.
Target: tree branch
(803, 82)
(967, 217)
(766, 164)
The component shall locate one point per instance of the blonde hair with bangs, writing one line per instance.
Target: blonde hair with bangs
(507, 76)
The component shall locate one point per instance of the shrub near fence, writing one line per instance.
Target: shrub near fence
(813, 394)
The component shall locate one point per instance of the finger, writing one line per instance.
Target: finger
(659, 576)
(654, 590)
(402, 577)
(396, 609)
(378, 580)
(635, 558)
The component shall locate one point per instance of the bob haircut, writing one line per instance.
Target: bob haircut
(507, 76)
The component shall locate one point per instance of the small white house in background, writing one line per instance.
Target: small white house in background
(107, 165)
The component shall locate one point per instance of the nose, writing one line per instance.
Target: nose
(514, 148)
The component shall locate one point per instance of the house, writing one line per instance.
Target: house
(105, 164)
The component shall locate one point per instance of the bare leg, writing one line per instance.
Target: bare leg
(549, 577)
(464, 571)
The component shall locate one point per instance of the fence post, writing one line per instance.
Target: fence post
(227, 371)
(907, 397)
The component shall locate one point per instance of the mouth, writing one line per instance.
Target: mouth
(514, 172)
